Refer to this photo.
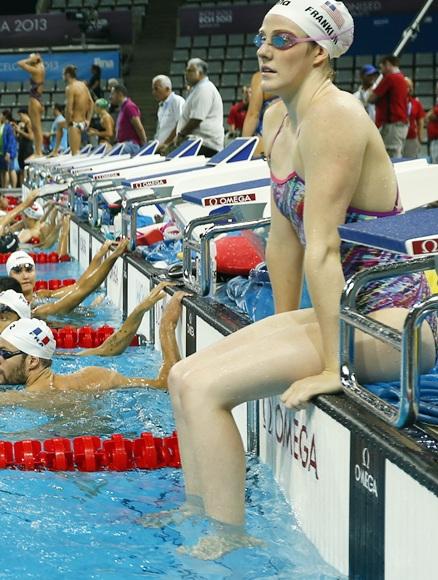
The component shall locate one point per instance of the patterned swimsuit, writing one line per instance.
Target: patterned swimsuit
(401, 291)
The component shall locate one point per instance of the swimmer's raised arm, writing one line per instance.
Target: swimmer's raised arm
(120, 340)
(80, 291)
(169, 345)
(11, 215)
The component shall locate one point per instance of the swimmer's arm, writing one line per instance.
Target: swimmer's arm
(101, 379)
(254, 106)
(284, 258)
(11, 215)
(90, 109)
(69, 105)
(332, 169)
(168, 342)
(28, 65)
(120, 340)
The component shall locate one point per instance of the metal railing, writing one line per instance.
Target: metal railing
(408, 341)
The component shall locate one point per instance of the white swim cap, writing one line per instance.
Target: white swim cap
(329, 23)
(18, 258)
(31, 336)
(35, 211)
(16, 302)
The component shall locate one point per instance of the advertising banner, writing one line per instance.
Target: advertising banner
(57, 30)
(248, 18)
(108, 60)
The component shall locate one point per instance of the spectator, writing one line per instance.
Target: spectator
(58, 132)
(259, 102)
(94, 82)
(431, 120)
(203, 110)
(391, 98)
(170, 106)
(113, 109)
(237, 114)
(416, 123)
(368, 76)
(8, 150)
(129, 128)
(105, 132)
(24, 133)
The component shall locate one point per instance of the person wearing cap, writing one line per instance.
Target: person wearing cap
(27, 348)
(105, 131)
(391, 97)
(328, 166)
(21, 266)
(13, 306)
(10, 216)
(368, 76)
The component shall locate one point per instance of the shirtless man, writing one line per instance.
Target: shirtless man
(27, 347)
(79, 108)
(34, 65)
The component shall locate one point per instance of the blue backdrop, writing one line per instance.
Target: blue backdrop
(108, 60)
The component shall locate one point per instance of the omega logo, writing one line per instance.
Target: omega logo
(362, 475)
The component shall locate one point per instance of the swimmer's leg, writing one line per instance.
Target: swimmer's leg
(206, 386)
(35, 110)
(74, 139)
(64, 238)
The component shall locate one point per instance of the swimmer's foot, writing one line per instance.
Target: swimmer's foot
(166, 518)
(215, 546)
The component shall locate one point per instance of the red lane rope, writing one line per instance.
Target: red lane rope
(84, 336)
(40, 257)
(90, 453)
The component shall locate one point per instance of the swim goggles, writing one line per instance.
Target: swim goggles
(5, 354)
(26, 267)
(281, 40)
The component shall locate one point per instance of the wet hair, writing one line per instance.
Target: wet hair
(200, 64)
(59, 106)
(71, 70)
(7, 114)
(119, 88)
(9, 283)
(22, 111)
(394, 60)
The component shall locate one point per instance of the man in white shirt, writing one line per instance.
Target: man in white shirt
(203, 110)
(368, 76)
(170, 107)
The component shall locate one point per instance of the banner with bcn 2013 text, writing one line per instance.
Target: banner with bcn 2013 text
(108, 60)
(28, 30)
(248, 17)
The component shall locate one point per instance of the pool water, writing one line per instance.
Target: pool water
(72, 525)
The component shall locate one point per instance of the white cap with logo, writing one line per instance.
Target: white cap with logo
(18, 258)
(31, 336)
(16, 302)
(35, 211)
(329, 23)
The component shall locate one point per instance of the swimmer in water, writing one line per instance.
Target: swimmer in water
(27, 348)
(329, 166)
(13, 306)
(21, 266)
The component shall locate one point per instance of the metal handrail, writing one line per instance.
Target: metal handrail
(206, 264)
(408, 341)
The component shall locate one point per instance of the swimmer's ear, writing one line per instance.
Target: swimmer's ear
(32, 362)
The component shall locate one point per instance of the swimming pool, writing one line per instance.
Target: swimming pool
(65, 525)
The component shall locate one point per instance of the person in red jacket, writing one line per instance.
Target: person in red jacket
(390, 95)
(416, 123)
(431, 120)
(237, 114)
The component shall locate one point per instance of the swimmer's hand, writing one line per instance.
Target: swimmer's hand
(172, 310)
(299, 394)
